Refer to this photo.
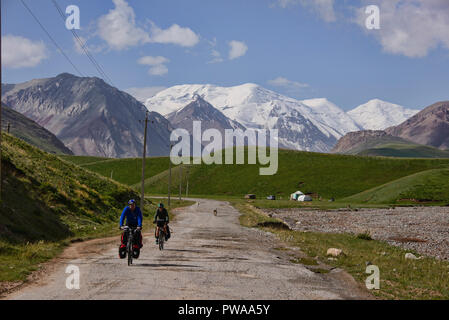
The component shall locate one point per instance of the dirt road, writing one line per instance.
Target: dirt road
(208, 257)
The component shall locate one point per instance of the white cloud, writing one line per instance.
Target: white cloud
(286, 3)
(20, 52)
(175, 34)
(216, 57)
(289, 85)
(157, 64)
(142, 94)
(118, 27)
(238, 49)
(325, 8)
(410, 27)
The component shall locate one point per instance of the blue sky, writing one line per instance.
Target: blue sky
(301, 48)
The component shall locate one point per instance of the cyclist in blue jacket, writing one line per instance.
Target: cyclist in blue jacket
(133, 216)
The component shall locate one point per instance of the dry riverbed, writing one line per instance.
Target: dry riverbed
(423, 229)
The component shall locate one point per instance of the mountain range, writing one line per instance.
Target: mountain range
(93, 118)
(89, 116)
(310, 125)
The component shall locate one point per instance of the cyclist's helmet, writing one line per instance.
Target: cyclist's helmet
(132, 201)
(161, 205)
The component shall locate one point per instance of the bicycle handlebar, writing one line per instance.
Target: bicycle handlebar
(128, 228)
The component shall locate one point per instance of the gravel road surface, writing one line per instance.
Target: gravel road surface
(208, 257)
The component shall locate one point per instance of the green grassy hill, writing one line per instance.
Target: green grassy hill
(327, 175)
(46, 198)
(373, 142)
(405, 150)
(127, 171)
(430, 186)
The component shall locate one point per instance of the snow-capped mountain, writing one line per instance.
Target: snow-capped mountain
(201, 110)
(209, 116)
(311, 125)
(328, 114)
(379, 115)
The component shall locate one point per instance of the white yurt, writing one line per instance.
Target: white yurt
(294, 196)
(304, 198)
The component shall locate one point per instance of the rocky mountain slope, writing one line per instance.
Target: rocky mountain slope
(89, 116)
(29, 131)
(429, 127)
(200, 110)
(209, 117)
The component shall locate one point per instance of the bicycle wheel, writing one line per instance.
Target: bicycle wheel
(130, 250)
(161, 240)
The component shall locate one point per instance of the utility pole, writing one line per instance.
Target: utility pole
(169, 175)
(187, 186)
(1, 73)
(142, 199)
(169, 164)
(180, 181)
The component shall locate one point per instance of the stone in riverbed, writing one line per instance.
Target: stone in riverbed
(410, 256)
(334, 252)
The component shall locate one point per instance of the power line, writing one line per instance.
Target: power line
(83, 46)
(51, 38)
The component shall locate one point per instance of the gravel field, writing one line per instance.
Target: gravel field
(424, 229)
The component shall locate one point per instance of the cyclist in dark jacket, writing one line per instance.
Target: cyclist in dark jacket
(133, 216)
(162, 220)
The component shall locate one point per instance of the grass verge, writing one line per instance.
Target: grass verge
(426, 278)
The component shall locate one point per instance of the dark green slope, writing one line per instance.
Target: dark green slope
(47, 198)
(405, 150)
(430, 186)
